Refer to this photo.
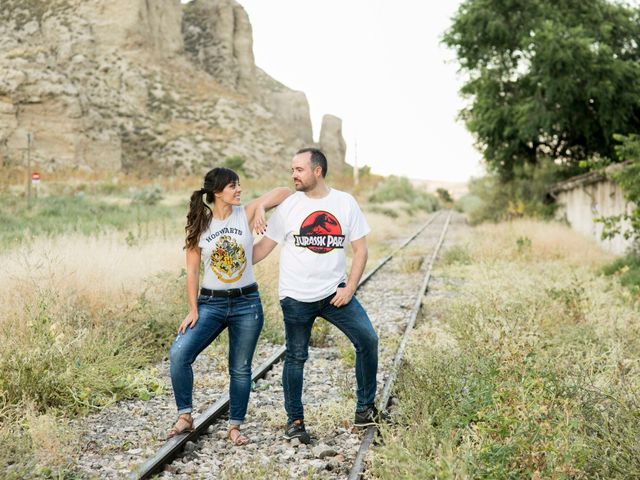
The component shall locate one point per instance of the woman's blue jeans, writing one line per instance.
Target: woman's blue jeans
(353, 321)
(244, 318)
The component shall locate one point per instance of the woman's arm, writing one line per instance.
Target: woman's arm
(263, 248)
(193, 278)
(257, 208)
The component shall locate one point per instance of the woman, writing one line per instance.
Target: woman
(220, 238)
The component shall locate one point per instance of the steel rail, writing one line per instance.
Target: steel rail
(358, 464)
(382, 262)
(175, 445)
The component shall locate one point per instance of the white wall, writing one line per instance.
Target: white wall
(582, 204)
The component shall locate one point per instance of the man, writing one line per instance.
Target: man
(315, 224)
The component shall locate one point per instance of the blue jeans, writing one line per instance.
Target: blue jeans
(243, 316)
(353, 321)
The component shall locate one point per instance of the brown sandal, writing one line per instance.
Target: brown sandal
(238, 440)
(187, 421)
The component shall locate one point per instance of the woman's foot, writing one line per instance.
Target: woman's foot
(182, 425)
(236, 436)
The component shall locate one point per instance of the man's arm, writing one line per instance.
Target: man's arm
(256, 209)
(358, 263)
(263, 248)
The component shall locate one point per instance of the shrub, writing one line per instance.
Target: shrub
(399, 188)
(523, 196)
(149, 195)
(235, 163)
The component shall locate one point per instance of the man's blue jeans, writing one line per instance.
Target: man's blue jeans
(353, 321)
(243, 316)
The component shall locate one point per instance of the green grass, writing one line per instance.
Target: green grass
(627, 270)
(56, 215)
(73, 358)
(532, 371)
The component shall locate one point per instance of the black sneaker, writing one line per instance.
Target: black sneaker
(370, 416)
(297, 430)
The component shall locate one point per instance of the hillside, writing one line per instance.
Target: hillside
(148, 87)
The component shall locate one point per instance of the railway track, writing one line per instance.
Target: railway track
(392, 293)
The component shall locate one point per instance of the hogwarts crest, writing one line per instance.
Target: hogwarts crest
(228, 260)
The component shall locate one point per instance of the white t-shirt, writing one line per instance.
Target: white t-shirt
(315, 232)
(227, 252)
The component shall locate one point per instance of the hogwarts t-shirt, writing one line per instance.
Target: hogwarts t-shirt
(227, 252)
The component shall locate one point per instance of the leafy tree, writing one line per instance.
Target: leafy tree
(444, 195)
(548, 78)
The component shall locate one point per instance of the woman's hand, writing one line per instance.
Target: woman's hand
(189, 321)
(260, 220)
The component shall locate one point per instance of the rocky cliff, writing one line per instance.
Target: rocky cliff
(150, 86)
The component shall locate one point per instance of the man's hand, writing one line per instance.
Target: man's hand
(343, 296)
(189, 321)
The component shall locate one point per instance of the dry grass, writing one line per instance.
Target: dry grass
(531, 370)
(531, 240)
(103, 270)
(84, 317)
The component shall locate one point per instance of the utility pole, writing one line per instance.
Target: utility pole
(29, 169)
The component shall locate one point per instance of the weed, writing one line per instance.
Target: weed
(320, 333)
(456, 254)
(523, 245)
(346, 352)
(540, 382)
(627, 270)
(411, 264)
(573, 299)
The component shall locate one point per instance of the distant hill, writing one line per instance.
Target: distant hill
(153, 87)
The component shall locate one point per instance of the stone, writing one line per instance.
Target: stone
(322, 451)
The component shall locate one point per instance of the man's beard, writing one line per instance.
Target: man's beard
(303, 187)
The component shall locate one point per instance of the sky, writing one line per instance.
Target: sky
(380, 67)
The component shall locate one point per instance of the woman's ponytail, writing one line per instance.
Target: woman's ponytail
(198, 218)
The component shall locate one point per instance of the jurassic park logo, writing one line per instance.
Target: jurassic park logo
(320, 232)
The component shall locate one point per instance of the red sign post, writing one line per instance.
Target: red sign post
(35, 181)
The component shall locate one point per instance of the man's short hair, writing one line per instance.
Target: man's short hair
(317, 159)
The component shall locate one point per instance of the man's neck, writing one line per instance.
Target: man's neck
(321, 190)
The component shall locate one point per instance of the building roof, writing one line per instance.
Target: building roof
(586, 178)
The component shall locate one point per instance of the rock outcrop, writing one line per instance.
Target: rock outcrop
(154, 87)
(218, 37)
(332, 142)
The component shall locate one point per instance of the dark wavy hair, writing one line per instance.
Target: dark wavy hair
(199, 216)
(318, 159)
